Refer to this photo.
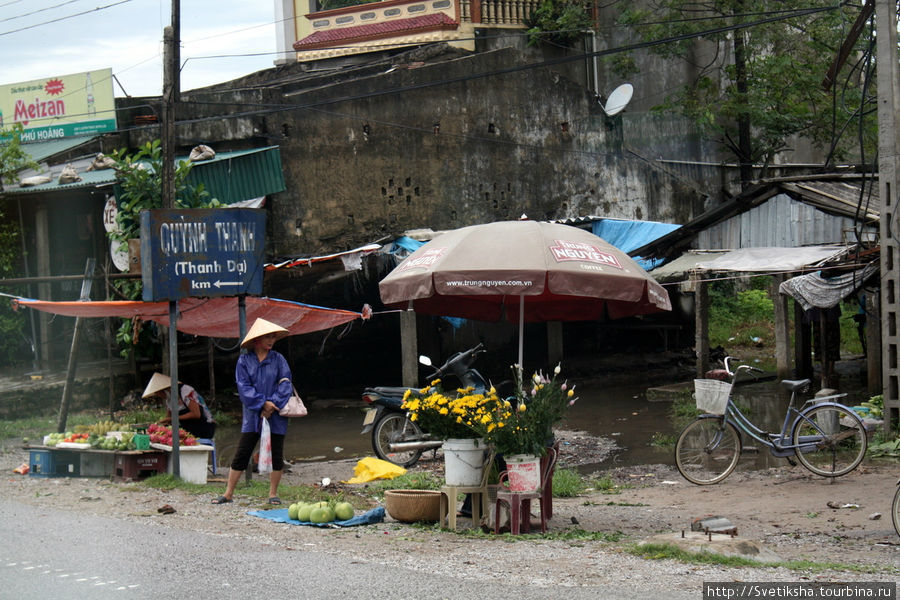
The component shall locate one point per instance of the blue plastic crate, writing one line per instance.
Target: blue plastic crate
(54, 463)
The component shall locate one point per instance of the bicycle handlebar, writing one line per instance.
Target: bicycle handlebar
(746, 367)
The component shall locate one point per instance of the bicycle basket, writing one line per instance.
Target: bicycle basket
(711, 395)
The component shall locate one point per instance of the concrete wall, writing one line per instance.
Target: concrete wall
(437, 145)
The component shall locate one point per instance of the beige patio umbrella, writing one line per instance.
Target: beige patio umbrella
(522, 270)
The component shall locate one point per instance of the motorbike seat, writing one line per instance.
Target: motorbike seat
(389, 391)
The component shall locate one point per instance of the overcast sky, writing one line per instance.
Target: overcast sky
(126, 36)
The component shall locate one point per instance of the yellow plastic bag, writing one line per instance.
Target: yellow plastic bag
(371, 468)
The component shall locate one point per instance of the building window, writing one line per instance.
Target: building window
(321, 23)
(343, 20)
(392, 12)
(441, 4)
(367, 16)
(416, 8)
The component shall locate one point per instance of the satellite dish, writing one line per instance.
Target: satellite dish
(618, 100)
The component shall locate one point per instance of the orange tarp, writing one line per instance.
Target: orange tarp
(209, 317)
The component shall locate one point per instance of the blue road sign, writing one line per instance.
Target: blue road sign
(188, 253)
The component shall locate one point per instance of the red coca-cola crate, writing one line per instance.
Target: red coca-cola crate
(135, 466)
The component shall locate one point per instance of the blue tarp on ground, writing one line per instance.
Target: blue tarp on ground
(280, 515)
(628, 235)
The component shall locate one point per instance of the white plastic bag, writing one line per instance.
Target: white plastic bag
(265, 448)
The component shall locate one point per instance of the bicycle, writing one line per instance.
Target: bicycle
(826, 437)
(895, 509)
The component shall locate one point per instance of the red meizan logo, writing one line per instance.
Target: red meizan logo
(54, 87)
(565, 250)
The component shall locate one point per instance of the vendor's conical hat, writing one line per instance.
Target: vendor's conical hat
(158, 383)
(262, 327)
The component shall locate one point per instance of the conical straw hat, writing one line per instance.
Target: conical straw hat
(262, 327)
(158, 383)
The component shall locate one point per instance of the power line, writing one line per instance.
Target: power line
(34, 12)
(99, 8)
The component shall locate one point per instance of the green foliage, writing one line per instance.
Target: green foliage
(558, 22)
(12, 157)
(777, 88)
(138, 177)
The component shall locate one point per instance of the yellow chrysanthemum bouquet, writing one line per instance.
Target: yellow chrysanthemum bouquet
(520, 424)
(447, 415)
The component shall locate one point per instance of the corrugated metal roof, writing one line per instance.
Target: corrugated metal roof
(230, 176)
(39, 151)
(234, 176)
(835, 194)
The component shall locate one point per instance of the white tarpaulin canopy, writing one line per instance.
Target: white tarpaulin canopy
(756, 260)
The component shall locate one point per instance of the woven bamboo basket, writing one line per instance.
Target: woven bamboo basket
(410, 506)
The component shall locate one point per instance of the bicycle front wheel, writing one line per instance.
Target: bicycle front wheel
(708, 450)
(830, 440)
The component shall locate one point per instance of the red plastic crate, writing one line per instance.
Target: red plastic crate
(136, 466)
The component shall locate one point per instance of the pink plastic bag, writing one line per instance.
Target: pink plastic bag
(265, 448)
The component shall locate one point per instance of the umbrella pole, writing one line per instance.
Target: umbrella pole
(521, 327)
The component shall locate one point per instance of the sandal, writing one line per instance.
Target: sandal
(274, 500)
(222, 500)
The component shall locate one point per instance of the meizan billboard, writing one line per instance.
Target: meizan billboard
(60, 106)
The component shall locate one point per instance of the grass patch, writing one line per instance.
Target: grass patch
(418, 480)
(567, 535)
(256, 489)
(672, 552)
(33, 429)
(663, 440)
(567, 483)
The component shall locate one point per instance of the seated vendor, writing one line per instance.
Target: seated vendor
(193, 414)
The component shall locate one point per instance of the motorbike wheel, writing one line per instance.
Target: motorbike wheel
(395, 427)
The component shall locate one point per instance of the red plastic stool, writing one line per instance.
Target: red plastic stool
(519, 503)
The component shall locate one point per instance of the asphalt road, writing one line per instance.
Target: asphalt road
(47, 553)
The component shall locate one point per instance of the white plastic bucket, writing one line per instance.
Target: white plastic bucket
(523, 472)
(463, 462)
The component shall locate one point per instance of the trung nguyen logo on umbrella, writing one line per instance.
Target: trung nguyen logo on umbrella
(579, 251)
(426, 260)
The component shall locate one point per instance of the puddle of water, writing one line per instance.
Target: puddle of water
(620, 413)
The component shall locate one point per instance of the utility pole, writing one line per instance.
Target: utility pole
(888, 163)
(171, 93)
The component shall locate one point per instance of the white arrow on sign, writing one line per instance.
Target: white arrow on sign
(219, 284)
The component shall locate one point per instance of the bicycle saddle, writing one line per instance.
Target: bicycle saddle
(795, 385)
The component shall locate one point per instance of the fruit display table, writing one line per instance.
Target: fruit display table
(193, 461)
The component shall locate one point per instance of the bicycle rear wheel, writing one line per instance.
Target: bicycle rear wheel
(831, 440)
(895, 510)
(707, 450)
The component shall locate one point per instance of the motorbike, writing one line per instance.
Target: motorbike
(395, 438)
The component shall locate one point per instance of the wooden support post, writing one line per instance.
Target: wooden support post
(782, 329)
(409, 347)
(554, 342)
(873, 343)
(73, 352)
(701, 318)
(802, 345)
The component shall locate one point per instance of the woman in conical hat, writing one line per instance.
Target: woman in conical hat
(193, 414)
(264, 385)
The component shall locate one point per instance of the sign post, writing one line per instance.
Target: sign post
(199, 253)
